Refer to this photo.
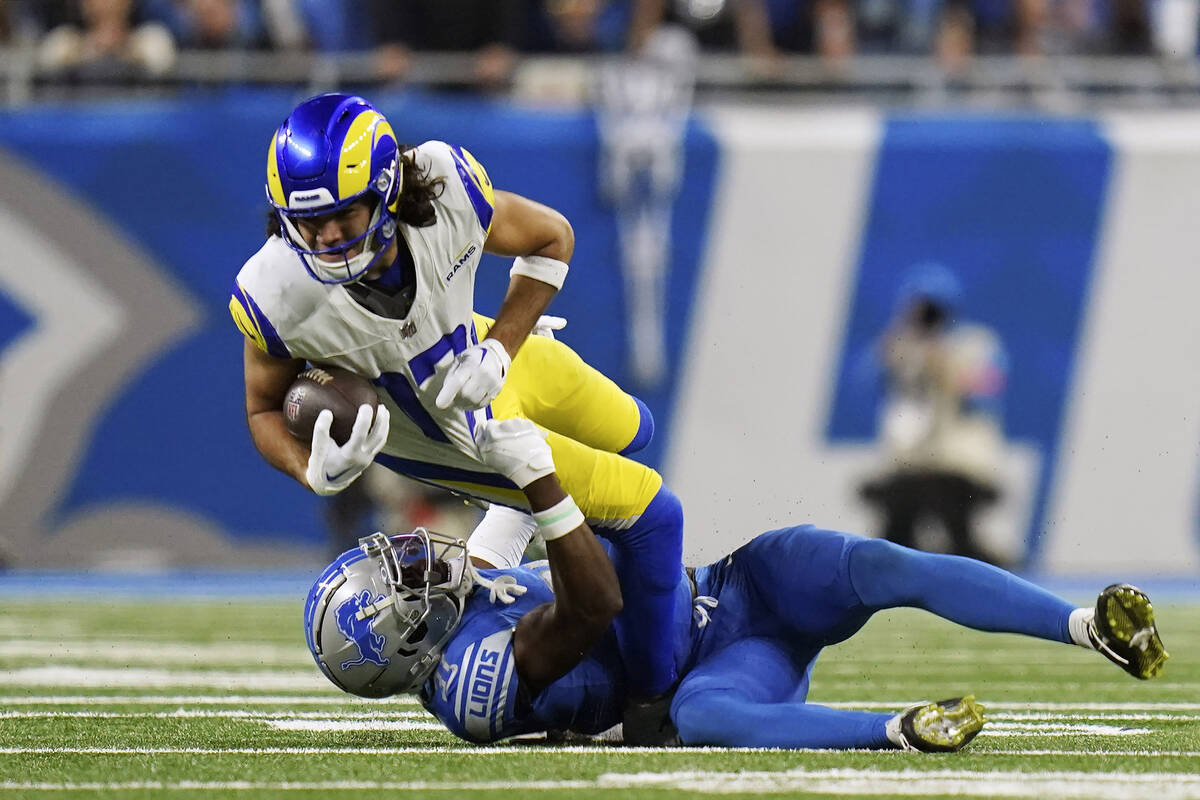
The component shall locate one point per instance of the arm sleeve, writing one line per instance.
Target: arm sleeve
(501, 536)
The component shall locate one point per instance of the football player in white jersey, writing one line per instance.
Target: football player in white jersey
(371, 268)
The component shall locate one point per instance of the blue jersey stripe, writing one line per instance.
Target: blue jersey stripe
(314, 594)
(422, 469)
(401, 391)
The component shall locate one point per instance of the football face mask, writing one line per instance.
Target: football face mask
(378, 617)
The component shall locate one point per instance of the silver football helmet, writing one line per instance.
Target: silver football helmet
(378, 617)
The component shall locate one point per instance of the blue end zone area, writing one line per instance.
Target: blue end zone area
(31, 585)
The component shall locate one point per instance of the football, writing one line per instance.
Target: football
(318, 388)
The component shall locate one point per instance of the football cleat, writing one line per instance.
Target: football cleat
(942, 727)
(1123, 630)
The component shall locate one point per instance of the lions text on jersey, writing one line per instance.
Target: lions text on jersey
(476, 692)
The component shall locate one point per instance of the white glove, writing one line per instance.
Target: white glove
(331, 467)
(516, 448)
(475, 377)
(546, 325)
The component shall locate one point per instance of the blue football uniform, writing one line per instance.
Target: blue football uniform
(476, 692)
(745, 661)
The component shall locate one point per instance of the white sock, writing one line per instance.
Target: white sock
(892, 729)
(1078, 624)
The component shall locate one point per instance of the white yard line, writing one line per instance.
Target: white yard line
(322, 722)
(863, 782)
(185, 714)
(343, 726)
(92, 677)
(201, 654)
(539, 750)
(885, 705)
(996, 721)
(331, 699)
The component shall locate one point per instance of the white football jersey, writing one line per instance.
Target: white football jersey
(291, 315)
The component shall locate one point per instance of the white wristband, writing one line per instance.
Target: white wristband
(558, 520)
(540, 268)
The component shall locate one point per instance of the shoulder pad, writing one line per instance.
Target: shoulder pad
(475, 686)
(459, 168)
(272, 294)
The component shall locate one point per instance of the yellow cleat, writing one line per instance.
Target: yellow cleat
(942, 727)
(1124, 631)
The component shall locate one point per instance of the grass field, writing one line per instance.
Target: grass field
(219, 699)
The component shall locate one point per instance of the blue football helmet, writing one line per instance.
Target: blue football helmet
(377, 619)
(333, 150)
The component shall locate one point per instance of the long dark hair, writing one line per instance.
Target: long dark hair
(415, 205)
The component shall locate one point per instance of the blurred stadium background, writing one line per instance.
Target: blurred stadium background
(748, 189)
(745, 210)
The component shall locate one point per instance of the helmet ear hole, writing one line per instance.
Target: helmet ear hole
(418, 633)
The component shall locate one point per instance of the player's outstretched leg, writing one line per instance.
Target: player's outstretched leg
(942, 727)
(750, 694)
(1122, 628)
(987, 598)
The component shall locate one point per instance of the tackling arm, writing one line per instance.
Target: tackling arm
(553, 638)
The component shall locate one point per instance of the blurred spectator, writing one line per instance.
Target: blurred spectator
(743, 25)
(940, 426)
(219, 25)
(336, 25)
(489, 29)
(954, 42)
(285, 25)
(577, 26)
(1120, 27)
(104, 41)
(7, 25)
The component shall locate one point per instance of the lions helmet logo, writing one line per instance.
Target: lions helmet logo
(358, 632)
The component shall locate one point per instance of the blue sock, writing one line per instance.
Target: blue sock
(645, 431)
(962, 590)
(648, 563)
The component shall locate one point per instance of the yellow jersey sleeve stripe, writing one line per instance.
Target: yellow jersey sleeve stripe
(254, 324)
(478, 185)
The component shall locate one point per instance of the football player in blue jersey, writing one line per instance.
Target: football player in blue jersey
(370, 266)
(500, 650)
